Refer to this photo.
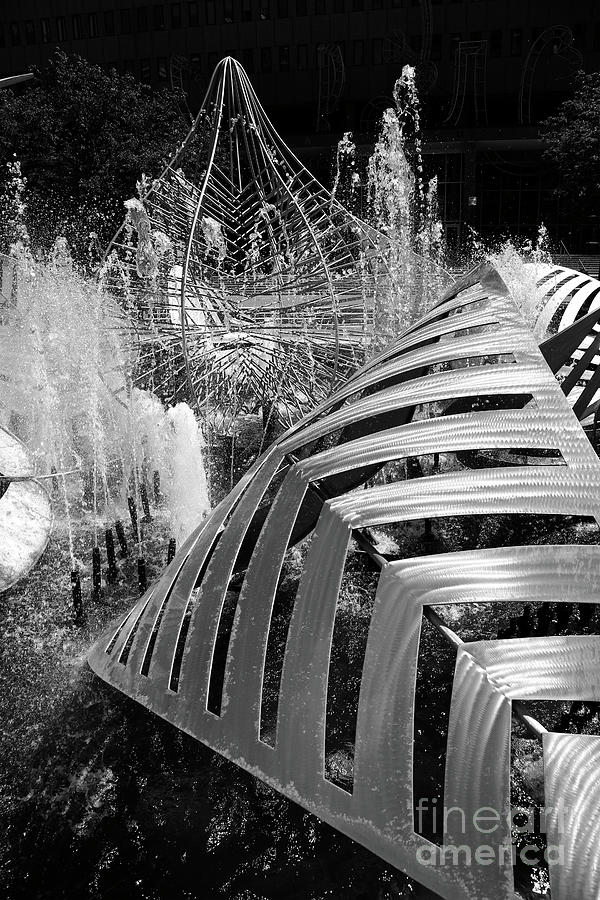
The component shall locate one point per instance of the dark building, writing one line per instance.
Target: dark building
(489, 70)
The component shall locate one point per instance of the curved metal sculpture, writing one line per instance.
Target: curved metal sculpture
(474, 344)
(568, 327)
(248, 279)
(25, 512)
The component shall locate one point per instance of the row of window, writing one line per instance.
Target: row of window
(264, 59)
(359, 52)
(160, 18)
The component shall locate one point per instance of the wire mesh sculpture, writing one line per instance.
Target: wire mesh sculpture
(474, 344)
(251, 286)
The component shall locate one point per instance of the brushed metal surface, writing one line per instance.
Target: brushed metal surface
(378, 811)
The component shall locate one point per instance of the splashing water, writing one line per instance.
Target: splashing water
(518, 265)
(65, 362)
(170, 442)
(187, 486)
(404, 207)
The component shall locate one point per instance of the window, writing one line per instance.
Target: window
(175, 15)
(358, 53)
(211, 14)
(142, 19)
(496, 43)
(266, 60)
(516, 41)
(30, 32)
(146, 70)
(195, 63)
(61, 29)
(282, 9)
(339, 6)
(246, 10)
(358, 5)
(320, 7)
(126, 21)
(77, 28)
(93, 25)
(213, 59)
(109, 22)
(377, 4)
(162, 68)
(300, 7)
(193, 18)
(15, 33)
(228, 11)
(580, 34)
(377, 51)
(248, 59)
(158, 17)
(302, 56)
(265, 9)
(284, 58)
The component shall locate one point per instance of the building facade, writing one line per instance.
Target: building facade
(488, 71)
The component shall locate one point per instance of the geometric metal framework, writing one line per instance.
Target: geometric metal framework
(249, 283)
(568, 324)
(474, 345)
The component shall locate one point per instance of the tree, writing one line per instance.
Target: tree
(572, 136)
(84, 136)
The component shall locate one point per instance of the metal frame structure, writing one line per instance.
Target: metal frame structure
(474, 344)
(248, 279)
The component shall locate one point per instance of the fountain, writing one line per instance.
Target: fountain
(371, 481)
(65, 364)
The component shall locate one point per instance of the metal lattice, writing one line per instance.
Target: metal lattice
(249, 283)
(475, 344)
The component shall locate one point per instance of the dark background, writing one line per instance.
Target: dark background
(489, 71)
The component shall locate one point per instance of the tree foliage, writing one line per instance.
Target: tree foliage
(572, 136)
(84, 136)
